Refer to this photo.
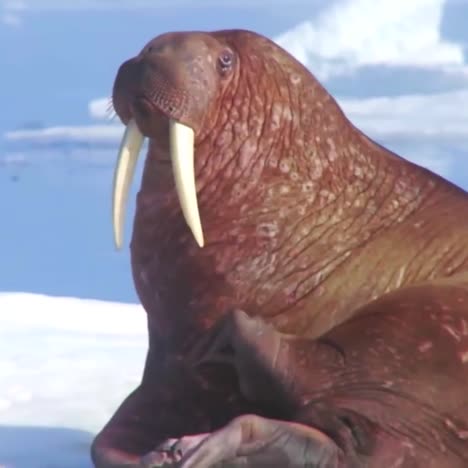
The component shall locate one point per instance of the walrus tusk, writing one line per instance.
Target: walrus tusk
(130, 147)
(181, 140)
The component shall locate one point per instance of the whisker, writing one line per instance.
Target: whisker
(110, 111)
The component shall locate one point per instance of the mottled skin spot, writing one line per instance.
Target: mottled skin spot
(355, 223)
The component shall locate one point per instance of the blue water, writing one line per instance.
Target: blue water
(56, 233)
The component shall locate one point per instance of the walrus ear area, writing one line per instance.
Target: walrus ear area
(226, 62)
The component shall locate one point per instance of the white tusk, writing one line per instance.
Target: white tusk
(129, 151)
(181, 140)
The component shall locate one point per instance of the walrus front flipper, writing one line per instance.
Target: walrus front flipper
(252, 441)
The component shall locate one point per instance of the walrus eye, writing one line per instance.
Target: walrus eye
(225, 61)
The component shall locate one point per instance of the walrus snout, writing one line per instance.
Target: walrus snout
(144, 91)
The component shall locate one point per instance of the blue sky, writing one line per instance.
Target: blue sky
(399, 68)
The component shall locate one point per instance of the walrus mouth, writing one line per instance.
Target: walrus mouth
(181, 143)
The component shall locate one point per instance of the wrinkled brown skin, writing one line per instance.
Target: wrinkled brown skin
(305, 221)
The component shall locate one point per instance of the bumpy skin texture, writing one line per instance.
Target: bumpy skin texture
(306, 220)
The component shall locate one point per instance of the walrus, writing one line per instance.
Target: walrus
(257, 194)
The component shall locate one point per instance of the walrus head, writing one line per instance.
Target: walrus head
(168, 89)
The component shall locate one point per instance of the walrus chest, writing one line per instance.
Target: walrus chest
(182, 286)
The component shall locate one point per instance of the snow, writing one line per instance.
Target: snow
(65, 366)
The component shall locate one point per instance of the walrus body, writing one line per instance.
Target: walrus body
(305, 219)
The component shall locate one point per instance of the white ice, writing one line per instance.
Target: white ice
(65, 366)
